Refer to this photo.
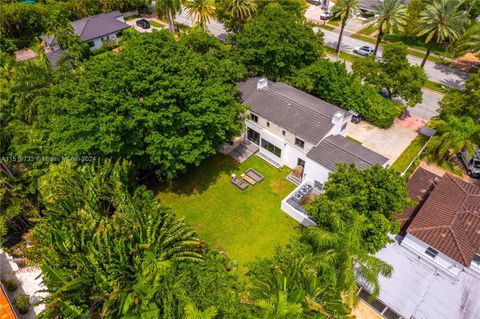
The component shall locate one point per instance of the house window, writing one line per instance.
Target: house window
(283, 132)
(431, 252)
(91, 44)
(344, 126)
(299, 142)
(268, 124)
(254, 118)
(271, 148)
(253, 136)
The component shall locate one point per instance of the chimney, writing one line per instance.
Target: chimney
(337, 118)
(262, 83)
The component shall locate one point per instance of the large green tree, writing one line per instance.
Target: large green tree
(277, 43)
(442, 20)
(331, 82)
(394, 74)
(390, 16)
(463, 102)
(454, 133)
(235, 13)
(341, 245)
(108, 249)
(376, 193)
(294, 283)
(158, 103)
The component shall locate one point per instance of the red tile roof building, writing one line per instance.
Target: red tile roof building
(448, 215)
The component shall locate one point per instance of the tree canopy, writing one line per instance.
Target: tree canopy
(331, 82)
(377, 193)
(158, 102)
(463, 102)
(277, 43)
(109, 249)
(394, 74)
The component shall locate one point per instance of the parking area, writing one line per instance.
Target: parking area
(133, 24)
(389, 142)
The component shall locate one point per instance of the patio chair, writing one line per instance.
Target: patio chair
(253, 174)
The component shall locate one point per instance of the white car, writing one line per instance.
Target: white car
(325, 15)
(364, 50)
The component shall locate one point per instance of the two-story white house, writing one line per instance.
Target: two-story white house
(295, 129)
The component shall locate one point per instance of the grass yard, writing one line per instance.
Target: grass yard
(369, 30)
(246, 224)
(363, 38)
(156, 24)
(418, 43)
(409, 154)
(325, 26)
(436, 86)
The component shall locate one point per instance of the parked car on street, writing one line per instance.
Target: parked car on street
(325, 15)
(143, 23)
(363, 50)
(471, 162)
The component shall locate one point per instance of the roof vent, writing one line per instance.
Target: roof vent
(262, 83)
(337, 118)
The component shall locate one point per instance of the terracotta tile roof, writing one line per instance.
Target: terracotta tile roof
(6, 310)
(449, 219)
(419, 187)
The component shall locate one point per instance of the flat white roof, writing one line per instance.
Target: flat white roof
(418, 290)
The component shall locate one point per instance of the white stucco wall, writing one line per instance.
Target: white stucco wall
(98, 42)
(442, 261)
(295, 214)
(315, 172)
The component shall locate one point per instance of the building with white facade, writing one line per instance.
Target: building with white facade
(300, 131)
(95, 31)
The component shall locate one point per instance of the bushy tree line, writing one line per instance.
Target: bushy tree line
(23, 21)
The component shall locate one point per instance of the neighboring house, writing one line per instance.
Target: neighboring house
(436, 260)
(95, 31)
(297, 130)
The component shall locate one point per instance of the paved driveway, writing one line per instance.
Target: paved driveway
(389, 142)
(133, 24)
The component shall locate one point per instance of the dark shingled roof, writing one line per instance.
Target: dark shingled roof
(338, 149)
(419, 186)
(449, 219)
(304, 115)
(98, 25)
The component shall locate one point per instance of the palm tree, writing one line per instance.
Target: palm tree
(202, 11)
(390, 16)
(442, 20)
(104, 252)
(168, 9)
(341, 247)
(470, 41)
(241, 11)
(453, 135)
(343, 10)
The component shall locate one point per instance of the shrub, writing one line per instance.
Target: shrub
(10, 284)
(22, 302)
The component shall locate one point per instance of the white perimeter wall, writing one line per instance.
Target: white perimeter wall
(442, 261)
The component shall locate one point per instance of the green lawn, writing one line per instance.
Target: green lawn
(325, 26)
(369, 30)
(246, 224)
(156, 24)
(436, 86)
(334, 22)
(363, 38)
(418, 43)
(409, 154)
